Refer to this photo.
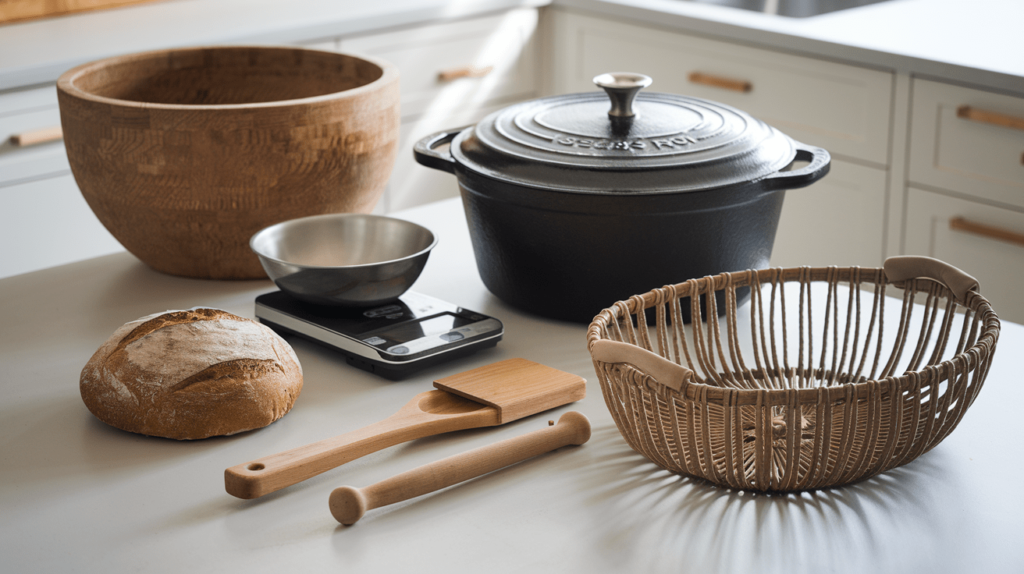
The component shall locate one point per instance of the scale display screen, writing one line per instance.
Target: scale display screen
(392, 340)
(405, 332)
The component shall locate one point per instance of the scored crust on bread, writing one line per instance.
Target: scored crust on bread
(191, 374)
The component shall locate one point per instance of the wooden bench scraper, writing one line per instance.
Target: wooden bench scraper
(487, 396)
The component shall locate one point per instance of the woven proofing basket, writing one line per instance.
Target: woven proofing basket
(812, 401)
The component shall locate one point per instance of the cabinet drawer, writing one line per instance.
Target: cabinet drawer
(840, 220)
(24, 163)
(446, 67)
(18, 101)
(45, 223)
(23, 113)
(968, 141)
(845, 109)
(997, 263)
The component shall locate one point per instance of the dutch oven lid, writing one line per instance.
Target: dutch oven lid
(644, 142)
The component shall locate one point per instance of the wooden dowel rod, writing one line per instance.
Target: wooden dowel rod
(999, 234)
(992, 118)
(39, 136)
(463, 72)
(720, 82)
(349, 504)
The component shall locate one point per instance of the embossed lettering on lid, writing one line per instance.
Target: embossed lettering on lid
(662, 126)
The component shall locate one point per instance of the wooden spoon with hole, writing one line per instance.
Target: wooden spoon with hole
(488, 396)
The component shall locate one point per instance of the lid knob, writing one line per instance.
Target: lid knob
(622, 88)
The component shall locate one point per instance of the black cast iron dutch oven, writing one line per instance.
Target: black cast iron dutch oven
(572, 206)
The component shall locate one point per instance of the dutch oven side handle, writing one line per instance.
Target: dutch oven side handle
(425, 153)
(817, 168)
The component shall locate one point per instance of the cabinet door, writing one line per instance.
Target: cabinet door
(968, 141)
(838, 221)
(445, 68)
(988, 253)
(45, 223)
(24, 113)
(844, 109)
(452, 75)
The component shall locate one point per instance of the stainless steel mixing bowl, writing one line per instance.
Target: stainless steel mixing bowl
(346, 259)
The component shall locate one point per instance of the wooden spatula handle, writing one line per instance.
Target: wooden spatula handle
(271, 473)
(348, 504)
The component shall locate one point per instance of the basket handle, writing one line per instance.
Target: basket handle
(903, 267)
(661, 369)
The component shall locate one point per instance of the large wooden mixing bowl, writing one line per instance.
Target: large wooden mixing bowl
(185, 154)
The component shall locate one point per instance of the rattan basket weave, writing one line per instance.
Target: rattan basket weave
(814, 401)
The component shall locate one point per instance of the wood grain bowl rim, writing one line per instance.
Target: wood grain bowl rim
(66, 82)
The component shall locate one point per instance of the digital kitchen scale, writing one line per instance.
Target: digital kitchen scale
(390, 340)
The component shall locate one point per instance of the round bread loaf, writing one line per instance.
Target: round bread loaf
(190, 375)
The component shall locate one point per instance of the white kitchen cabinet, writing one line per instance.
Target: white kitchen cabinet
(838, 221)
(44, 221)
(448, 67)
(22, 113)
(968, 141)
(47, 222)
(965, 192)
(412, 184)
(28, 99)
(452, 74)
(997, 263)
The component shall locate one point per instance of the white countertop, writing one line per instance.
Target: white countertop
(970, 41)
(78, 495)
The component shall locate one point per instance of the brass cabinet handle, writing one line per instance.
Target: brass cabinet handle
(987, 117)
(961, 224)
(463, 72)
(39, 136)
(720, 82)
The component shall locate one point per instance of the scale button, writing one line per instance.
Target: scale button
(399, 350)
(374, 341)
(452, 336)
